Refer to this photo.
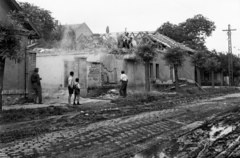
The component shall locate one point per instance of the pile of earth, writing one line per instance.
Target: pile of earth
(111, 94)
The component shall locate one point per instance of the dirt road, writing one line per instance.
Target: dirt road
(130, 136)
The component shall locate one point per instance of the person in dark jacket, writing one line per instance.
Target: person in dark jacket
(36, 84)
(76, 92)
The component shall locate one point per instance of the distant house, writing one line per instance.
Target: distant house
(16, 83)
(79, 29)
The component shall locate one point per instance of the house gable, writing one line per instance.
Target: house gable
(79, 29)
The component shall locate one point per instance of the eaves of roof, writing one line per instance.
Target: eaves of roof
(15, 6)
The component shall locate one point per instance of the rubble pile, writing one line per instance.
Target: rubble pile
(216, 138)
(111, 94)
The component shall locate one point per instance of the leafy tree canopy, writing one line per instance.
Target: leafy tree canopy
(192, 32)
(175, 57)
(146, 53)
(236, 65)
(223, 59)
(11, 34)
(212, 64)
(57, 33)
(198, 59)
(41, 18)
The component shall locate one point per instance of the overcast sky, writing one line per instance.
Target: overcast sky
(148, 15)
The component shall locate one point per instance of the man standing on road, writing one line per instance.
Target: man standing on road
(124, 81)
(70, 86)
(35, 79)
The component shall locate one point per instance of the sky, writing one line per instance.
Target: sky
(148, 15)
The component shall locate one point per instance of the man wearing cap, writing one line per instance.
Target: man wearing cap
(35, 79)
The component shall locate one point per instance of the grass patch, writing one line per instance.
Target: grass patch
(16, 115)
(138, 98)
(147, 97)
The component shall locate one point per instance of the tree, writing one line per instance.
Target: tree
(58, 32)
(146, 54)
(175, 58)
(223, 67)
(192, 32)
(11, 34)
(212, 65)
(56, 37)
(172, 31)
(236, 68)
(223, 59)
(10, 40)
(198, 60)
(40, 17)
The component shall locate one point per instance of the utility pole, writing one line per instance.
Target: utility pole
(230, 64)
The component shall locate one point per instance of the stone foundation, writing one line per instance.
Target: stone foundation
(12, 97)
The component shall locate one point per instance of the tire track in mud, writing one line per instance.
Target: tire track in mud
(65, 121)
(120, 136)
(110, 138)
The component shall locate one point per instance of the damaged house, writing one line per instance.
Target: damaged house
(98, 62)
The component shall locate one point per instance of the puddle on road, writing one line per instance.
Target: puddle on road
(219, 131)
(158, 155)
(161, 151)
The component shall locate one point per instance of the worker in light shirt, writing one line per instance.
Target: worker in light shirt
(124, 81)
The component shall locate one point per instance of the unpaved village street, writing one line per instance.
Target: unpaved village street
(119, 79)
(148, 134)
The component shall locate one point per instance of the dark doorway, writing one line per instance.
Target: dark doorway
(157, 71)
(151, 70)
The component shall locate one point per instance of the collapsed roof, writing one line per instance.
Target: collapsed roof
(168, 42)
(156, 37)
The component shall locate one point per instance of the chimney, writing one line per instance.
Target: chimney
(56, 22)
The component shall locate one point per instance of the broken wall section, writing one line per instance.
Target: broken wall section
(95, 75)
